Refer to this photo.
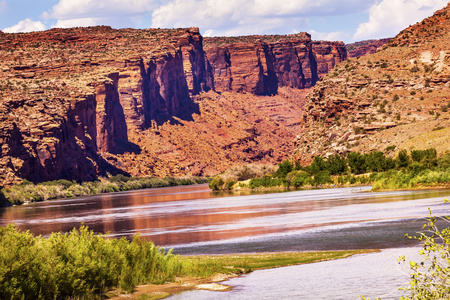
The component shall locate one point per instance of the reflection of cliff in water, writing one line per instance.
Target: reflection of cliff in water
(193, 220)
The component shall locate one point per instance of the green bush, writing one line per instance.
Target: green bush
(284, 168)
(216, 183)
(430, 277)
(79, 264)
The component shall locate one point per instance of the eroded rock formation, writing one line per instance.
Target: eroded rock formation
(82, 102)
(261, 64)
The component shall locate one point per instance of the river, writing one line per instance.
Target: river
(192, 220)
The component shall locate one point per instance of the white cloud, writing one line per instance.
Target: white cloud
(239, 17)
(26, 25)
(329, 36)
(82, 22)
(389, 17)
(117, 13)
(77, 9)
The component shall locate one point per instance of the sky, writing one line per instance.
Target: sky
(344, 20)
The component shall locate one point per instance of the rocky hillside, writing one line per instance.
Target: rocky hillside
(395, 98)
(82, 102)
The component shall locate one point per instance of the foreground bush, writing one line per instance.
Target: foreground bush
(78, 265)
(430, 278)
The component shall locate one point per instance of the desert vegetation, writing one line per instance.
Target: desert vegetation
(30, 192)
(84, 265)
(417, 168)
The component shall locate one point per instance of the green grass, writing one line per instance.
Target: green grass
(246, 262)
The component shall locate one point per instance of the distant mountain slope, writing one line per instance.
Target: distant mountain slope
(385, 99)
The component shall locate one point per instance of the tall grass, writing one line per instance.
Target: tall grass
(29, 192)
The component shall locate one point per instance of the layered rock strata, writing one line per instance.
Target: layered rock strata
(262, 64)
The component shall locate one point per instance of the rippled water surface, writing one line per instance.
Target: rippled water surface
(192, 220)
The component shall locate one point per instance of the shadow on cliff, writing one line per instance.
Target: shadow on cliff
(3, 201)
(184, 113)
(122, 146)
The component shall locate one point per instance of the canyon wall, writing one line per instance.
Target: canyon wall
(72, 99)
(261, 64)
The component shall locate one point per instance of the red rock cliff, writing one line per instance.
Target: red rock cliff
(80, 102)
(80, 92)
(261, 64)
(327, 55)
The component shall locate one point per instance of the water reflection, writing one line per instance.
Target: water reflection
(193, 220)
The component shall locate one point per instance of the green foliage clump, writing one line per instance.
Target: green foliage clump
(79, 264)
(429, 278)
(227, 180)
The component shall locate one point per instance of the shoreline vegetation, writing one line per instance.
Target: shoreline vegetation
(418, 169)
(58, 189)
(84, 265)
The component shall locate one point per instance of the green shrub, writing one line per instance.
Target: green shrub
(429, 278)
(79, 264)
(284, 168)
(216, 183)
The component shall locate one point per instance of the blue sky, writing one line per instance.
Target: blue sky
(346, 20)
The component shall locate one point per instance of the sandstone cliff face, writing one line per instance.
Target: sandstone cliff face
(39, 147)
(77, 103)
(262, 64)
(327, 55)
(110, 118)
(57, 116)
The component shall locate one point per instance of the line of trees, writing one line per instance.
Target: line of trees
(353, 168)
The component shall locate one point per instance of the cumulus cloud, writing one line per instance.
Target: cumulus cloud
(389, 17)
(238, 17)
(82, 22)
(69, 13)
(26, 25)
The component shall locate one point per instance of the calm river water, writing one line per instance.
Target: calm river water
(192, 220)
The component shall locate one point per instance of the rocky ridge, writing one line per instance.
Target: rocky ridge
(383, 100)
